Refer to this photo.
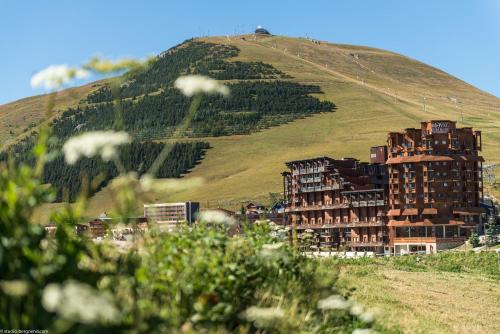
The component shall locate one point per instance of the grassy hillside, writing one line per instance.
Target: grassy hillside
(375, 91)
(20, 117)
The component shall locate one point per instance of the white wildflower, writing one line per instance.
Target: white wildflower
(191, 85)
(54, 76)
(334, 302)
(125, 181)
(14, 288)
(272, 247)
(216, 217)
(51, 297)
(364, 331)
(79, 302)
(366, 317)
(263, 317)
(149, 183)
(356, 310)
(104, 66)
(89, 144)
(273, 252)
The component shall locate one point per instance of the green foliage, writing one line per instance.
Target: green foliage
(483, 263)
(196, 278)
(190, 57)
(252, 106)
(474, 239)
(138, 157)
(30, 260)
(152, 108)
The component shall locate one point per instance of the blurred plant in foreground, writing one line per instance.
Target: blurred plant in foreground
(197, 278)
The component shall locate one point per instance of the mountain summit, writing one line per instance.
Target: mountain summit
(291, 98)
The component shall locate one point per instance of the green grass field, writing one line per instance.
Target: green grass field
(375, 91)
(452, 293)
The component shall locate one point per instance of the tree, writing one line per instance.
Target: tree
(491, 231)
(474, 239)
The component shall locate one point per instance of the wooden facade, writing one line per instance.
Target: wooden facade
(420, 193)
(339, 200)
(435, 185)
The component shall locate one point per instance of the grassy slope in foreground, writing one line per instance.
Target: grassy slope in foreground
(375, 92)
(428, 299)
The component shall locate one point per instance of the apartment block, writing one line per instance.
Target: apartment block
(435, 186)
(339, 200)
(421, 192)
(170, 214)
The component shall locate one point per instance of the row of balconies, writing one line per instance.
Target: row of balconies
(320, 188)
(368, 203)
(308, 170)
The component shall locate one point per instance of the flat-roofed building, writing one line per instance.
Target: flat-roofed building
(172, 213)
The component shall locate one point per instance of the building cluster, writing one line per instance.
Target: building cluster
(167, 217)
(421, 192)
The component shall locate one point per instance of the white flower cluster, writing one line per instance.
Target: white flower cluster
(54, 76)
(216, 217)
(191, 85)
(264, 317)
(333, 302)
(79, 302)
(274, 252)
(103, 143)
(364, 331)
(15, 288)
(337, 302)
(278, 232)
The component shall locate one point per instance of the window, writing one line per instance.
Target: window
(439, 232)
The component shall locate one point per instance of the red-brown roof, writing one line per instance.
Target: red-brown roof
(394, 212)
(432, 158)
(419, 158)
(468, 211)
(425, 222)
(430, 211)
(410, 212)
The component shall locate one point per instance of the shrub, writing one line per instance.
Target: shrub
(474, 239)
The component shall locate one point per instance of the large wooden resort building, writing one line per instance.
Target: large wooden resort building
(421, 192)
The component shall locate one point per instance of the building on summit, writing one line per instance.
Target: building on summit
(262, 31)
(421, 192)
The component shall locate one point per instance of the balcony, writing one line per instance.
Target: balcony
(428, 240)
(317, 207)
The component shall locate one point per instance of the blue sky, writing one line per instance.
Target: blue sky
(462, 37)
